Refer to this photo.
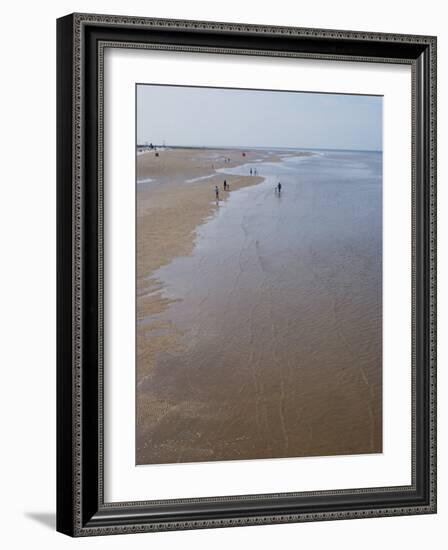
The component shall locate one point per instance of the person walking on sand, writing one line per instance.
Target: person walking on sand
(216, 193)
(251, 171)
(279, 188)
(225, 185)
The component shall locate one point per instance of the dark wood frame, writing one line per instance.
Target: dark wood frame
(81, 39)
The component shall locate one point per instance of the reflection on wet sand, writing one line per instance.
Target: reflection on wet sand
(259, 329)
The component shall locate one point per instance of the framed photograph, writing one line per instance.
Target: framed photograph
(246, 274)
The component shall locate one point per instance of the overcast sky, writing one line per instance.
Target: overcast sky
(254, 118)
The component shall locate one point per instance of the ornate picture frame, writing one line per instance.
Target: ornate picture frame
(81, 43)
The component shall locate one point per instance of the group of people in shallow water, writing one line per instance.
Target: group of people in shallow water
(226, 187)
(278, 187)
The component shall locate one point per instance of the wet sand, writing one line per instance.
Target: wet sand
(169, 209)
(258, 331)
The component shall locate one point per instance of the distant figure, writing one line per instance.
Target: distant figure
(255, 171)
(216, 193)
(225, 185)
(279, 188)
(251, 171)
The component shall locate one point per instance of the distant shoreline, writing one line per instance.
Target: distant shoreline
(251, 148)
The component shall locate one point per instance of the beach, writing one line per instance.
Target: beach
(258, 316)
(176, 202)
(179, 196)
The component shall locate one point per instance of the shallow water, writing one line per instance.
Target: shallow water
(279, 310)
